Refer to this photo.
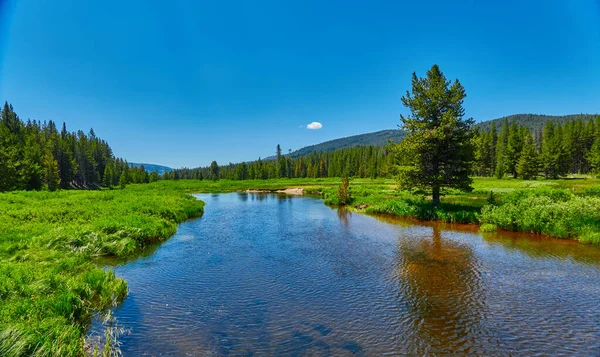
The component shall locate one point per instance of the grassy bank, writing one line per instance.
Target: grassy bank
(566, 208)
(49, 286)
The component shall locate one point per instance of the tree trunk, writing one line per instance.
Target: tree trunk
(436, 196)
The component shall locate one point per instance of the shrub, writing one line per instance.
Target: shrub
(558, 213)
(592, 191)
(344, 196)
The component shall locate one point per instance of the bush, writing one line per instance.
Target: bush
(343, 194)
(592, 191)
(557, 213)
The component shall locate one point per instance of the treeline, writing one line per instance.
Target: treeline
(535, 122)
(515, 151)
(555, 151)
(35, 154)
(363, 161)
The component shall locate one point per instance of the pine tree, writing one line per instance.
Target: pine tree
(501, 151)
(123, 179)
(514, 147)
(437, 151)
(594, 157)
(528, 165)
(51, 171)
(242, 171)
(214, 170)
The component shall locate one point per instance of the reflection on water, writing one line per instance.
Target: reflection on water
(264, 274)
(442, 288)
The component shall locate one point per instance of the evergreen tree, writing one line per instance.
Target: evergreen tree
(501, 151)
(528, 165)
(214, 170)
(242, 171)
(123, 179)
(108, 176)
(153, 177)
(594, 157)
(555, 158)
(484, 155)
(514, 147)
(51, 172)
(437, 151)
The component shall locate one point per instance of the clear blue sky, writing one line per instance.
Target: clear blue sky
(183, 83)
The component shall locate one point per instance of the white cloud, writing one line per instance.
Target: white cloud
(315, 125)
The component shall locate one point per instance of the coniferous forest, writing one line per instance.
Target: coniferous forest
(513, 150)
(35, 154)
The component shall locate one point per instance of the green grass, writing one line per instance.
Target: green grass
(566, 208)
(554, 212)
(49, 285)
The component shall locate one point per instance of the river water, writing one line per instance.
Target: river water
(269, 275)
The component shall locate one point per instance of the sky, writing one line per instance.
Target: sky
(182, 83)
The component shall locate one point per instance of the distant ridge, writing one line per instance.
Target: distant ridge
(159, 169)
(378, 138)
(535, 122)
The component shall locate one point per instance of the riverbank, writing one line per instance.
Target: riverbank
(49, 285)
(275, 275)
(566, 208)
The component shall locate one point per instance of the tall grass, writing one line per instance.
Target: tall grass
(49, 286)
(554, 212)
(380, 199)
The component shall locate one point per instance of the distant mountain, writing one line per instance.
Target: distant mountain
(152, 168)
(378, 138)
(535, 122)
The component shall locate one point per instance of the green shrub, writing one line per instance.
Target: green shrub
(344, 196)
(487, 227)
(558, 213)
(593, 191)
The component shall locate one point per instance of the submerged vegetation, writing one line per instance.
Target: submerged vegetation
(49, 285)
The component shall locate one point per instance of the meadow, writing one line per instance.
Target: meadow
(564, 208)
(51, 284)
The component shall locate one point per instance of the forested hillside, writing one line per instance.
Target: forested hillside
(512, 149)
(378, 138)
(361, 161)
(534, 122)
(36, 154)
(554, 151)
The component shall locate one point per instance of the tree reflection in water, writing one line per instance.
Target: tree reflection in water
(440, 285)
(344, 215)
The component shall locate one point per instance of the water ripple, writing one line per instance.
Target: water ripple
(264, 275)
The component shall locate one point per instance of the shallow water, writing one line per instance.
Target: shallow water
(264, 275)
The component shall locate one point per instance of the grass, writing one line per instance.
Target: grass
(49, 285)
(566, 208)
(554, 212)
